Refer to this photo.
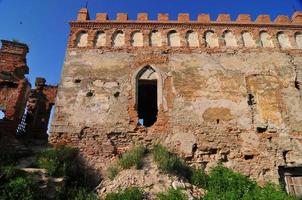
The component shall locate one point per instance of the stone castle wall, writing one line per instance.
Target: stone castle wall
(226, 91)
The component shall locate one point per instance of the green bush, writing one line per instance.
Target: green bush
(58, 161)
(128, 194)
(133, 157)
(199, 178)
(112, 171)
(223, 183)
(269, 192)
(172, 194)
(169, 162)
(22, 187)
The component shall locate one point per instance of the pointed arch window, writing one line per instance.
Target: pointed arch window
(147, 95)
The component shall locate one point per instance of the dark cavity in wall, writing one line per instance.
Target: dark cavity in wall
(261, 129)
(89, 94)
(77, 80)
(297, 85)
(147, 101)
(251, 100)
(248, 157)
(117, 94)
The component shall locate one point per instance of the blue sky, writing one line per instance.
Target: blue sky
(43, 24)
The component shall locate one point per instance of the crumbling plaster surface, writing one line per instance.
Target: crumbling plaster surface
(241, 108)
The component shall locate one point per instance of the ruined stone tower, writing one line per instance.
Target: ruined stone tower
(213, 91)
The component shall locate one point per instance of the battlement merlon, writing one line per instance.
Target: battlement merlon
(296, 19)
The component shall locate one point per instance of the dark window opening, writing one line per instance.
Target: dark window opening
(147, 102)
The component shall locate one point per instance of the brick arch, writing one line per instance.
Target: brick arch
(283, 40)
(118, 38)
(173, 38)
(211, 39)
(230, 39)
(137, 38)
(99, 39)
(81, 38)
(247, 39)
(266, 39)
(192, 38)
(155, 38)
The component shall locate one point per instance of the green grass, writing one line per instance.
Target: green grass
(134, 157)
(128, 194)
(58, 161)
(198, 178)
(172, 194)
(112, 171)
(170, 163)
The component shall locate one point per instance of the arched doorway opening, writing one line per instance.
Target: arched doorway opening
(147, 96)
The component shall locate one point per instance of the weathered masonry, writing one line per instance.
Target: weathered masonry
(22, 110)
(214, 91)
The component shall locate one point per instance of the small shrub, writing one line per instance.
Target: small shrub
(169, 162)
(19, 188)
(58, 162)
(172, 194)
(128, 194)
(199, 178)
(133, 157)
(223, 183)
(112, 171)
(269, 192)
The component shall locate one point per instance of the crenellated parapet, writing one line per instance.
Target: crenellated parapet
(184, 33)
